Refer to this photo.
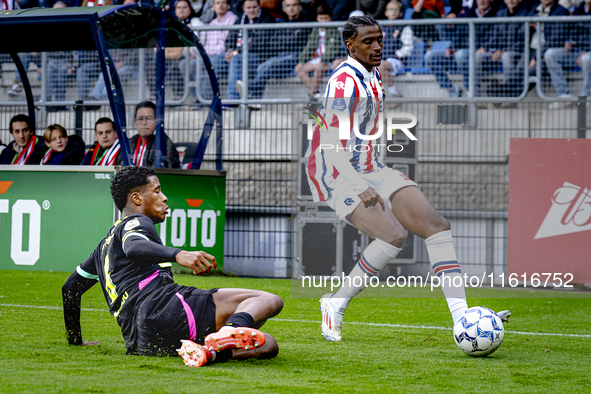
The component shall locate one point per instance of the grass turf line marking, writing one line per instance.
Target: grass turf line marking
(433, 328)
(318, 322)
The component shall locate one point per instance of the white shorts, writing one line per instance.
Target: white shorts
(385, 181)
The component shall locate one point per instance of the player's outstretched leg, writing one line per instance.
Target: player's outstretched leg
(418, 216)
(239, 313)
(243, 310)
(389, 236)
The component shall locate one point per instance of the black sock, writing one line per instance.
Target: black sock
(240, 319)
(223, 355)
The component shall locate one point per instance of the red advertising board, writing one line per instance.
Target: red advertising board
(550, 208)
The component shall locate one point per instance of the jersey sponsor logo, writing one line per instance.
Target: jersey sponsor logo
(133, 223)
(570, 212)
(339, 104)
(349, 201)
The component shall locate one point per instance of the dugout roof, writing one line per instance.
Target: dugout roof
(70, 28)
(111, 27)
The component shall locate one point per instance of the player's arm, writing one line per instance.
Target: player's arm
(137, 245)
(338, 157)
(72, 291)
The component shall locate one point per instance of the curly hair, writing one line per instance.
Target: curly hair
(126, 180)
(350, 29)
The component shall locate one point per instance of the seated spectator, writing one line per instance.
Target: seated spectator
(47, 3)
(173, 55)
(26, 60)
(126, 70)
(27, 148)
(442, 62)
(397, 46)
(214, 45)
(291, 42)
(202, 9)
(60, 67)
(259, 48)
(575, 51)
(373, 8)
(427, 9)
(506, 47)
(105, 151)
(554, 34)
(143, 145)
(63, 150)
(323, 51)
(340, 8)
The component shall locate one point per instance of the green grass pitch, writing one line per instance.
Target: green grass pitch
(35, 358)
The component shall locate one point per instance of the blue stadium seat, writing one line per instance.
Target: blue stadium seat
(447, 9)
(438, 46)
(415, 63)
(408, 13)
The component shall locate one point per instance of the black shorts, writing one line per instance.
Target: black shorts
(171, 313)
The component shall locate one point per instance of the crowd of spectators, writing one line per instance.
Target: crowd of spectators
(311, 53)
(56, 147)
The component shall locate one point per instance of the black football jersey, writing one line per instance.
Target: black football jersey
(126, 280)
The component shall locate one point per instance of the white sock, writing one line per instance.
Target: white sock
(445, 265)
(393, 91)
(373, 259)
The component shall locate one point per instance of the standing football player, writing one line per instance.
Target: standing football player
(158, 317)
(376, 199)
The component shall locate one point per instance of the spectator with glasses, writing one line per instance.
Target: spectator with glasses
(143, 145)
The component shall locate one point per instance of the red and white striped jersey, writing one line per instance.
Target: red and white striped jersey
(351, 89)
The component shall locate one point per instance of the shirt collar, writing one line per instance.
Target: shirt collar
(358, 66)
(483, 15)
(541, 10)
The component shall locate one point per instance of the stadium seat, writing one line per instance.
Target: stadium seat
(447, 9)
(408, 13)
(416, 61)
(438, 46)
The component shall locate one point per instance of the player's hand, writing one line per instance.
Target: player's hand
(298, 68)
(229, 55)
(199, 262)
(370, 198)
(89, 343)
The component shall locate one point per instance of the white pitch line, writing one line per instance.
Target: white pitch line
(347, 323)
(433, 328)
(51, 307)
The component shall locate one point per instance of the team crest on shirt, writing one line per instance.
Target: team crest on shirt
(340, 85)
(339, 104)
(133, 223)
